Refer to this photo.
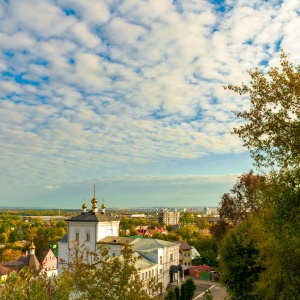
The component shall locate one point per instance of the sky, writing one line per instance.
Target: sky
(128, 95)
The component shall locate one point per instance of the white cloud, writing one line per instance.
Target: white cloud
(93, 88)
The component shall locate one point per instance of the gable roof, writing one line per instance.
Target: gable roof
(93, 217)
(139, 245)
(116, 240)
(31, 261)
(150, 245)
(3, 271)
(184, 245)
(46, 252)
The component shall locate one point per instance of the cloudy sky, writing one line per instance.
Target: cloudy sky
(128, 95)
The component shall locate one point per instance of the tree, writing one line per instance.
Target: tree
(272, 127)
(279, 240)
(3, 238)
(208, 295)
(14, 236)
(177, 293)
(239, 253)
(25, 286)
(170, 295)
(190, 288)
(183, 294)
(10, 254)
(243, 200)
(109, 278)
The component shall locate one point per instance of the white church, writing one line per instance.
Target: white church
(158, 258)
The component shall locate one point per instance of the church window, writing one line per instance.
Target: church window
(88, 236)
(77, 236)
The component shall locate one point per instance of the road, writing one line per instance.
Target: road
(217, 290)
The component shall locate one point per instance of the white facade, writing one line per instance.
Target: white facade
(164, 254)
(93, 227)
(169, 217)
(85, 230)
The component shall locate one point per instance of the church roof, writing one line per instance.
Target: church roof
(151, 245)
(64, 239)
(117, 240)
(31, 261)
(139, 245)
(93, 217)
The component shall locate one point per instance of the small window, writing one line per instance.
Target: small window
(113, 254)
(142, 276)
(160, 260)
(77, 236)
(171, 256)
(160, 271)
(146, 275)
(88, 237)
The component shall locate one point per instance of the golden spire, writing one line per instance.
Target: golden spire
(32, 248)
(32, 245)
(103, 206)
(84, 206)
(94, 200)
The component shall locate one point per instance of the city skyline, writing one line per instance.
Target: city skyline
(128, 95)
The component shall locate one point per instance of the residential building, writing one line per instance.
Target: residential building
(3, 273)
(185, 254)
(49, 263)
(164, 254)
(168, 217)
(26, 259)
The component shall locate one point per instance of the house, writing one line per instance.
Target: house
(3, 273)
(163, 253)
(49, 263)
(26, 259)
(185, 254)
(91, 228)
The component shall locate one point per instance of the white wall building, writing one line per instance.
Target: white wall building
(168, 217)
(93, 227)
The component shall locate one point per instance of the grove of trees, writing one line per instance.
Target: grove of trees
(106, 279)
(260, 223)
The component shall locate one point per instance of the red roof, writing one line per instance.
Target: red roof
(3, 271)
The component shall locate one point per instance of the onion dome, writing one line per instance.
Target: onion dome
(94, 201)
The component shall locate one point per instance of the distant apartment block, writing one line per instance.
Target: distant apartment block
(168, 217)
(210, 211)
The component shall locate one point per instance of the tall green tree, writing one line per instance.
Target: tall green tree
(239, 253)
(190, 288)
(279, 240)
(272, 127)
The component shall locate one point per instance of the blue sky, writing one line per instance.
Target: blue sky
(128, 95)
